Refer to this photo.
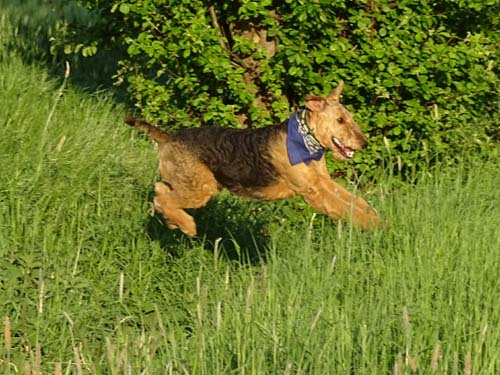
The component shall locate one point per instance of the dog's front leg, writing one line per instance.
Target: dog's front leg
(332, 199)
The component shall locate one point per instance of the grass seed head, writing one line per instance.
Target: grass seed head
(468, 364)
(406, 321)
(435, 357)
(38, 360)
(7, 334)
(398, 365)
(412, 364)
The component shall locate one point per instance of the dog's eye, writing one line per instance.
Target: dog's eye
(340, 120)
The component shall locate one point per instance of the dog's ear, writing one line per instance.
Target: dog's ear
(334, 96)
(315, 103)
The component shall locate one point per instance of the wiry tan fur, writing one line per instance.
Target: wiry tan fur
(195, 164)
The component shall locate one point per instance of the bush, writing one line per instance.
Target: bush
(421, 76)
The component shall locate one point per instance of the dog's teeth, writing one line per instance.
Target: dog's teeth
(345, 150)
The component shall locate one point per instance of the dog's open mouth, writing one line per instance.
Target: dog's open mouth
(344, 150)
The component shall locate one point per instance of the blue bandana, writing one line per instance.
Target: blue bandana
(301, 145)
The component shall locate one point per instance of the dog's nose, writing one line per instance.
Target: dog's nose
(360, 139)
(363, 142)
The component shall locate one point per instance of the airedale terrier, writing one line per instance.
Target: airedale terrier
(273, 162)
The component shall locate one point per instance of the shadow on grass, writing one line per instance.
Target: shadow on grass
(237, 228)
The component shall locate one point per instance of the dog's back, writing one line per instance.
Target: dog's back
(238, 158)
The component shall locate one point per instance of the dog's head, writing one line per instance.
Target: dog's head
(333, 125)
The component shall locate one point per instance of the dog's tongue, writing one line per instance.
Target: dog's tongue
(348, 151)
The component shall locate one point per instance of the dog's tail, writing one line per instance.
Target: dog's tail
(155, 133)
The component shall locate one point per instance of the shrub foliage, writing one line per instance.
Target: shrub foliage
(421, 76)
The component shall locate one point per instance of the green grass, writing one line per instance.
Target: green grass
(92, 283)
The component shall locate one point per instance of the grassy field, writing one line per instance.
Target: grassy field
(91, 283)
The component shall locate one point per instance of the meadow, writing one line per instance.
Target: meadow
(92, 283)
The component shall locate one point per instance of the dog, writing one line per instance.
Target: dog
(268, 163)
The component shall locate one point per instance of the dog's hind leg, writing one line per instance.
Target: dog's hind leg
(171, 203)
(186, 183)
(175, 217)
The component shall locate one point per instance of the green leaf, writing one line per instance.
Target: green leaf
(364, 23)
(124, 8)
